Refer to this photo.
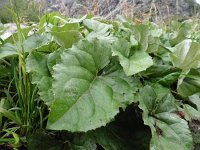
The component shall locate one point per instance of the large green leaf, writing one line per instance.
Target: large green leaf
(153, 44)
(192, 113)
(66, 27)
(98, 30)
(48, 20)
(169, 79)
(196, 100)
(54, 58)
(142, 35)
(85, 98)
(163, 74)
(156, 71)
(190, 84)
(183, 32)
(36, 63)
(186, 55)
(8, 50)
(66, 38)
(82, 143)
(108, 139)
(97, 27)
(36, 41)
(67, 34)
(124, 87)
(169, 131)
(45, 89)
(136, 63)
(41, 140)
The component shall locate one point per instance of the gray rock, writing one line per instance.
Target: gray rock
(130, 8)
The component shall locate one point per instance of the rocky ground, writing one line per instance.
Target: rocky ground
(142, 9)
(158, 9)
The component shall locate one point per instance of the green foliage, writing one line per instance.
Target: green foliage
(106, 84)
(166, 127)
(27, 10)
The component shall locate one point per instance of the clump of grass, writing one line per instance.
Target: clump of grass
(21, 109)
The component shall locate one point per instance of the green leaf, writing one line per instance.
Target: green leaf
(49, 20)
(36, 41)
(158, 70)
(54, 58)
(192, 111)
(183, 32)
(85, 98)
(122, 46)
(155, 30)
(136, 63)
(153, 44)
(97, 27)
(67, 38)
(196, 100)
(48, 47)
(133, 41)
(10, 115)
(41, 141)
(66, 27)
(186, 55)
(169, 131)
(108, 140)
(67, 34)
(190, 84)
(82, 142)
(142, 35)
(169, 79)
(45, 90)
(124, 87)
(36, 63)
(8, 50)
(163, 74)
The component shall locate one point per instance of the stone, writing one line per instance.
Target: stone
(130, 8)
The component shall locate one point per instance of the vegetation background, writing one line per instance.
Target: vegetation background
(26, 106)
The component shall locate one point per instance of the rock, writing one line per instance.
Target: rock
(11, 27)
(160, 9)
(130, 8)
(2, 3)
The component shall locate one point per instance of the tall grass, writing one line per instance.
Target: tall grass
(21, 107)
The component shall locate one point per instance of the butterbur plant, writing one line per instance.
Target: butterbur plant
(112, 85)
